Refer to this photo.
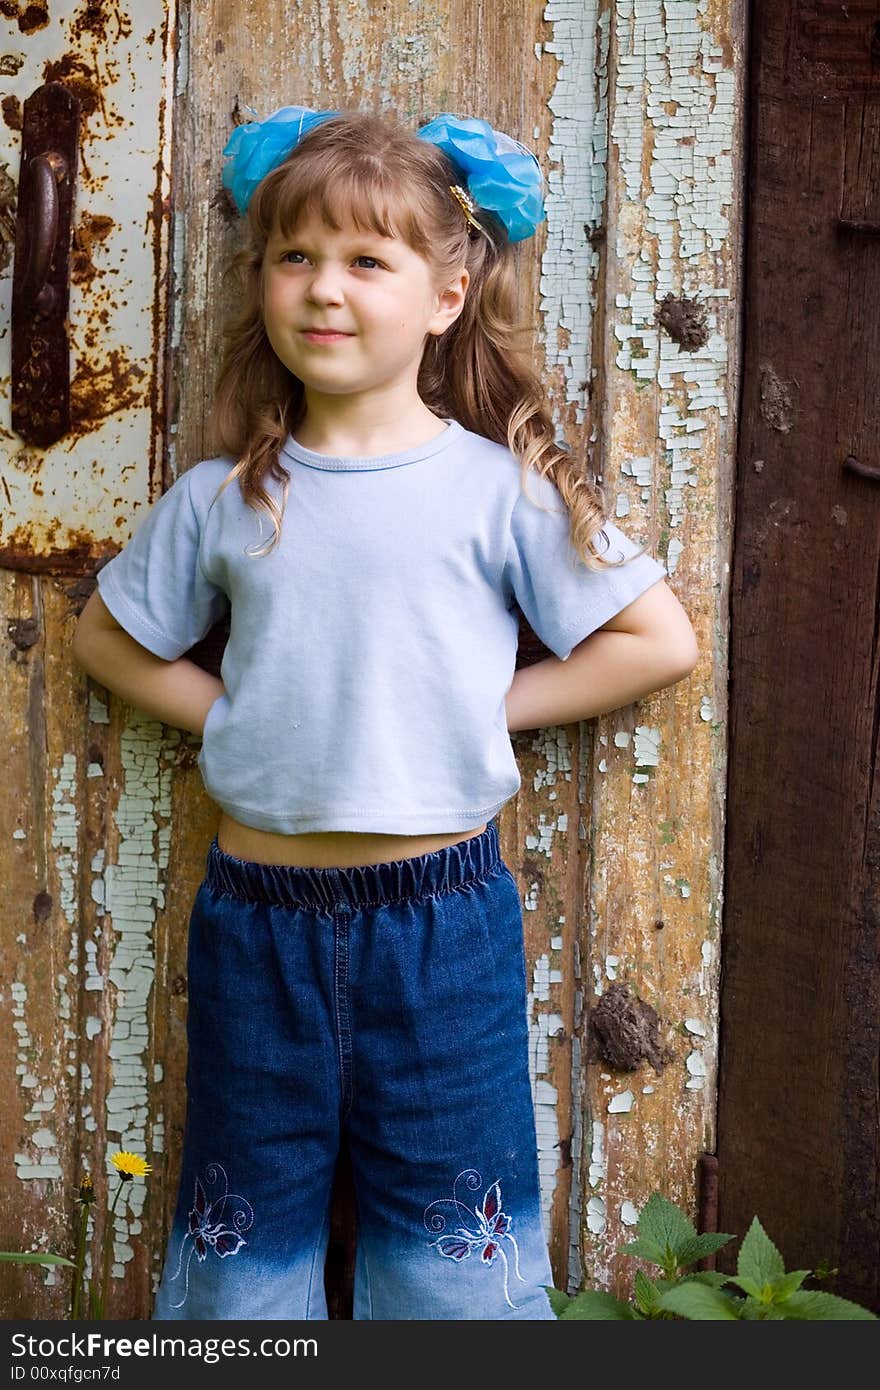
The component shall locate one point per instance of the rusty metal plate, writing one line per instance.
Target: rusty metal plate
(67, 505)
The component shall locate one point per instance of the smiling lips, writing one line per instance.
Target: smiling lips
(324, 335)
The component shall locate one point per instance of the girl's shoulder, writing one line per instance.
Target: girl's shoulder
(505, 469)
(205, 479)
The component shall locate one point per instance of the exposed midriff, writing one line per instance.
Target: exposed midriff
(340, 849)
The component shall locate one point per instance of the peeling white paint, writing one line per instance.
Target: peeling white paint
(629, 1213)
(696, 1065)
(707, 708)
(98, 711)
(611, 964)
(542, 843)
(646, 749)
(673, 213)
(65, 839)
(576, 176)
(554, 753)
(621, 1103)
(544, 1095)
(596, 1215)
(695, 1025)
(134, 889)
(45, 1162)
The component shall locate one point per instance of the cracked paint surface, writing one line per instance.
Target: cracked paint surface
(673, 132)
(134, 889)
(576, 157)
(668, 101)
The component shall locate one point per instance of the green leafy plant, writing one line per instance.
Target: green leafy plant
(128, 1166)
(27, 1257)
(668, 1239)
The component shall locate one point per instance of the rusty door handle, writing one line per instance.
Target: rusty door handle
(40, 282)
(47, 171)
(864, 470)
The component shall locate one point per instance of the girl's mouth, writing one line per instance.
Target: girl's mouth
(312, 336)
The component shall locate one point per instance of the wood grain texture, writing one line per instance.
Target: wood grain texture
(618, 824)
(799, 1106)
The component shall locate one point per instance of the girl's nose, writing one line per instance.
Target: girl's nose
(324, 287)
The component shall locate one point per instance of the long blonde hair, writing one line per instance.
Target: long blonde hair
(381, 176)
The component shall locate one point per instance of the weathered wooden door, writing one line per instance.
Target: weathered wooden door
(799, 1126)
(616, 834)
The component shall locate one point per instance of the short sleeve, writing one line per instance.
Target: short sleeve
(155, 587)
(562, 599)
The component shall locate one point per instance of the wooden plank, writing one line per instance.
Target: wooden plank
(662, 392)
(798, 1106)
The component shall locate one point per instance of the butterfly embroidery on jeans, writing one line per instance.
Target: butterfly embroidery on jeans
(487, 1227)
(207, 1228)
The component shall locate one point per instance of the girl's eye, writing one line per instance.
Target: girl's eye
(360, 258)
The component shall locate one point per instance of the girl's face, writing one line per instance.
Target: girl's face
(375, 291)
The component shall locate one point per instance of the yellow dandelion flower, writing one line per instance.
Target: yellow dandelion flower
(130, 1165)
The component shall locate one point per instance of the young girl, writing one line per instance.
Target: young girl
(355, 952)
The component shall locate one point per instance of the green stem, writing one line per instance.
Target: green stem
(80, 1262)
(108, 1247)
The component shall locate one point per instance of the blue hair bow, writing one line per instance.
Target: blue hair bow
(253, 150)
(500, 174)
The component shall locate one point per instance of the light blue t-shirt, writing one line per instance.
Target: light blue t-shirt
(371, 651)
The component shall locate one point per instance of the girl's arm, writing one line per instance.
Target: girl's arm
(177, 692)
(647, 646)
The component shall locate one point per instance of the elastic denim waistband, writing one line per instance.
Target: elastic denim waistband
(366, 885)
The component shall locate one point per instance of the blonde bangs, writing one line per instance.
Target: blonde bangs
(374, 201)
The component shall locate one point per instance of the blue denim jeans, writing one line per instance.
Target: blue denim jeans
(388, 999)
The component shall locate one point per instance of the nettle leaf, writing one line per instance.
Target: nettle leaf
(786, 1286)
(645, 1293)
(595, 1305)
(702, 1245)
(558, 1299)
(698, 1301)
(758, 1258)
(814, 1304)
(662, 1223)
(646, 1250)
(712, 1277)
(750, 1287)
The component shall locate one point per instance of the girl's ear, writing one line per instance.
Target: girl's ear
(450, 302)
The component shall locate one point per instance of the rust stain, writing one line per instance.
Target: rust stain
(29, 550)
(104, 22)
(101, 389)
(12, 113)
(79, 76)
(93, 228)
(28, 17)
(11, 64)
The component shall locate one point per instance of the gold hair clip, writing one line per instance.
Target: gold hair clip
(467, 204)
